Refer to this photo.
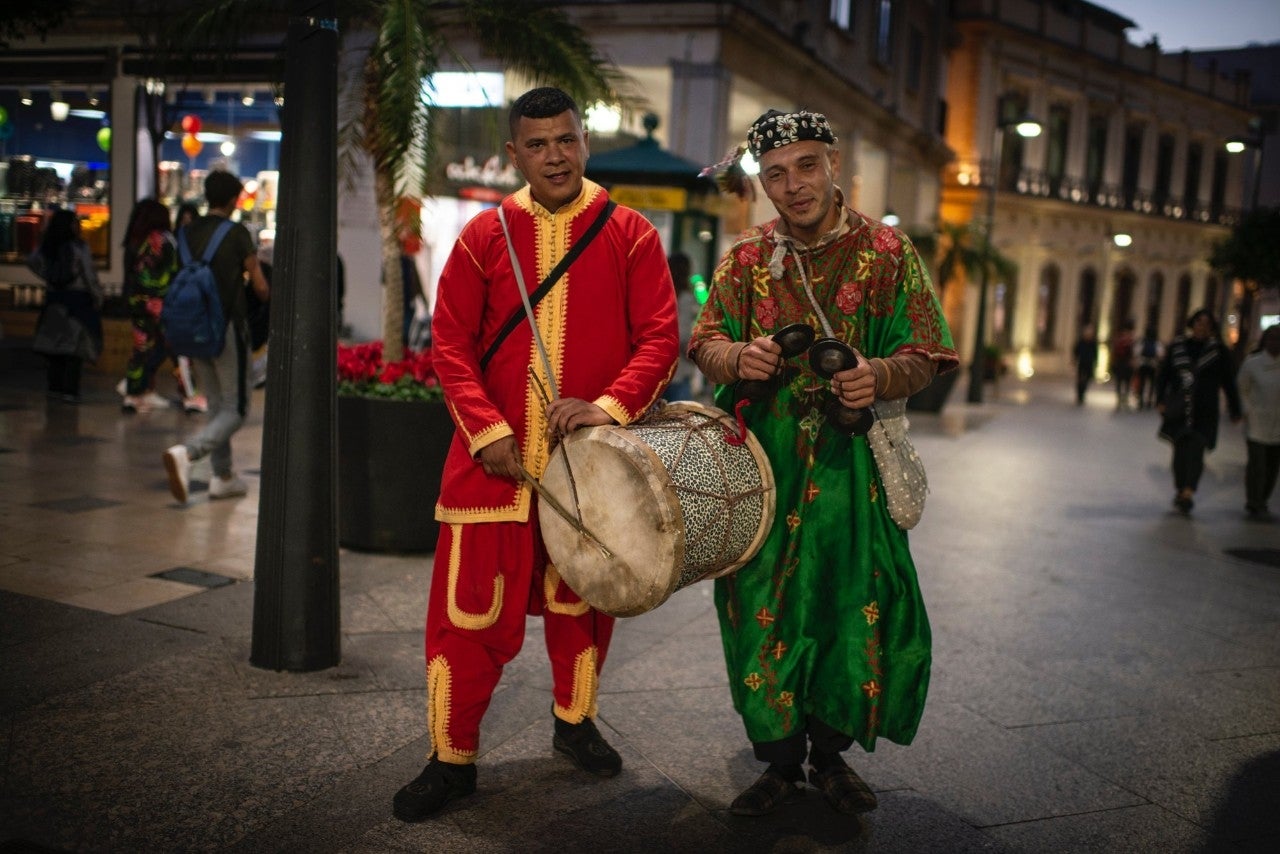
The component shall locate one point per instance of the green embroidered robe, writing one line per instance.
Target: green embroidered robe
(827, 620)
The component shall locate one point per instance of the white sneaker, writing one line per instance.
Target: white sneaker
(196, 403)
(155, 401)
(177, 462)
(122, 388)
(227, 487)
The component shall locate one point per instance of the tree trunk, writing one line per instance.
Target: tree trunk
(392, 281)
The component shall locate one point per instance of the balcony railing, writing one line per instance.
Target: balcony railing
(976, 174)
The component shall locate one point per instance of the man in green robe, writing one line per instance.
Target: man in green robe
(825, 634)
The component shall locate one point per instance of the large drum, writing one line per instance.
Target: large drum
(669, 500)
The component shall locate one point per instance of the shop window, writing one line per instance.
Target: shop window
(57, 144)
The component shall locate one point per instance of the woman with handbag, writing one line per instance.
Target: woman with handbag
(1197, 368)
(70, 327)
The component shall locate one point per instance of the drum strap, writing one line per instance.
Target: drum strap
(546, 284)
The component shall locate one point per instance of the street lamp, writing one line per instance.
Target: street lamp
(1255, 139)
(1024, 126)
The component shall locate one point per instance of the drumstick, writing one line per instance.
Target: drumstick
(555, 505)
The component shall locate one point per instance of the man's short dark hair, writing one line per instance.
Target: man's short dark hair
(221, 188)
(541, 103)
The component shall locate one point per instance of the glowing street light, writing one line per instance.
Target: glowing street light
(1027, 127)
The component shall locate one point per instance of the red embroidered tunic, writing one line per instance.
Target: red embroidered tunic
(609, 326)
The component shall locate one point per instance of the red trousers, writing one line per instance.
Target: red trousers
(487, 578)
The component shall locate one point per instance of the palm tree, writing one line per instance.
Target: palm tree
(958, 252)
(393, 122)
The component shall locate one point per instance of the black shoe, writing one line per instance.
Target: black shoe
(587, 748)
(1184, 505)
(439, 783)
(771, 791)
(843, 788)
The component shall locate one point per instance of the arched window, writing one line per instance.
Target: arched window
(1086, 298)
(1155, 297)
(1122, 298)
(1182, 304)
(1211, 296)
(1047, 306)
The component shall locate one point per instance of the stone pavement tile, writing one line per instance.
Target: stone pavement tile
(1008, 691)
(1140, 828)
(396, 659)
(361, 613)
(989, 775)
(688, 657)
(402, 600)
(84, 653)
(26, 619)
(224, 612)
(1216, 704)
(50, 581)
(127, 596)
(1166, 761)
(352, 675)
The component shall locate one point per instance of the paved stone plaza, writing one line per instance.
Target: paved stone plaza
(1106, 672)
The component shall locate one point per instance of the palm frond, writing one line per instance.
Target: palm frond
(541, 42)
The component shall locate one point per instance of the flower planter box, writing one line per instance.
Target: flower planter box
(390, 457)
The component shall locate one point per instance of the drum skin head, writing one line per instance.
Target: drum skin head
(632, 500)
(634, 512)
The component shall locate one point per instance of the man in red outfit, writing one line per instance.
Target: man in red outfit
(610, 332)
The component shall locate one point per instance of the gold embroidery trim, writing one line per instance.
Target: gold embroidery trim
(488, 436)
(439, 702)
(458, 617)
(585, 688)
(551, 581)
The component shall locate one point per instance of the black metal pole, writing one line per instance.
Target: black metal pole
(977, 369)
(295, 604)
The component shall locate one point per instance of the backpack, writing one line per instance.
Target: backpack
(192, 317)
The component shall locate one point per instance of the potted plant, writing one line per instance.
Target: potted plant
(386, 501)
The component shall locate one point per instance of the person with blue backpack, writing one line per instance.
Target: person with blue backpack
(205, 318)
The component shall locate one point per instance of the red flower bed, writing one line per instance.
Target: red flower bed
(362, 373)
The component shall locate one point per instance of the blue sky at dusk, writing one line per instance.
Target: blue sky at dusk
(1198, 24)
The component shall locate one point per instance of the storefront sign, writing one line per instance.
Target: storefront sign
(491, 173)
(650, 198)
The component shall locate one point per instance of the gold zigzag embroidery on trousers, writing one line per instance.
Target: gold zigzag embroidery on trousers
(586, 687)
(439, 686)
(460, 618)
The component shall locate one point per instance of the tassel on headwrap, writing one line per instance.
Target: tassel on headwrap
(730, 176)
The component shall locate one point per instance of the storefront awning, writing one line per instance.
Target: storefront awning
(646, 163)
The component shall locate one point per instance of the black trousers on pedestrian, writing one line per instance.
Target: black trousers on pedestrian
(64, 374)
(1188, 460)
(792, 749)
(1260, 474)
(1082, 385)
